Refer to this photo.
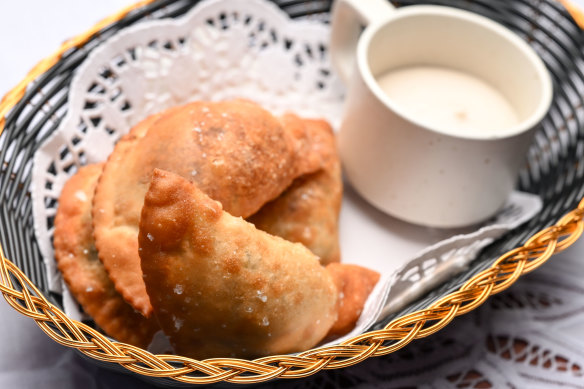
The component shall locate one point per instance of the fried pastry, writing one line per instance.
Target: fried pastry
(84, 273)
(219, 286)
(355, 284)
(308, 211)
(236, 152)
(124, 274)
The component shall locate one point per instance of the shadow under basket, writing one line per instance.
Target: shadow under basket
(33, 110)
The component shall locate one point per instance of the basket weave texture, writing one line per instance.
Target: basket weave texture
(33, 109)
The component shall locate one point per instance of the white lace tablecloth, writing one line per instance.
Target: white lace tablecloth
(530, 336)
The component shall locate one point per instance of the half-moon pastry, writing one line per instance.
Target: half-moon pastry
(235, 151)
(125, 273)
(308, 211)
(84, 273)
(219, 286)
(355, 284)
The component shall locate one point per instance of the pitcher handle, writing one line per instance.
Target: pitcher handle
(348, 17)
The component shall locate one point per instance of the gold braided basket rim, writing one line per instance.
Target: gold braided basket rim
(22, 295)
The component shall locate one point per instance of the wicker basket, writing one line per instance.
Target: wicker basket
(32, 111)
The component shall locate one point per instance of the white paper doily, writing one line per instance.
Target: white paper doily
(251, 49)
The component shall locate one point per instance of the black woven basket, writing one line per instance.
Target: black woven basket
(555, 163)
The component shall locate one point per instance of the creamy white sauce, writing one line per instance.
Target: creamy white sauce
(448, 99)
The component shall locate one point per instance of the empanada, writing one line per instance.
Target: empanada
(355, 284)
(126, 276)
(236, 152)
(308, 211)
(219, 286)
(84, 273)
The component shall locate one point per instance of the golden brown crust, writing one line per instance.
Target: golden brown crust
(355, 284)
(220, 287)
(236, 152)
(84, 273)
(308, 211)
(116, 242)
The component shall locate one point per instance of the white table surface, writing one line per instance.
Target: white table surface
(30, 30)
